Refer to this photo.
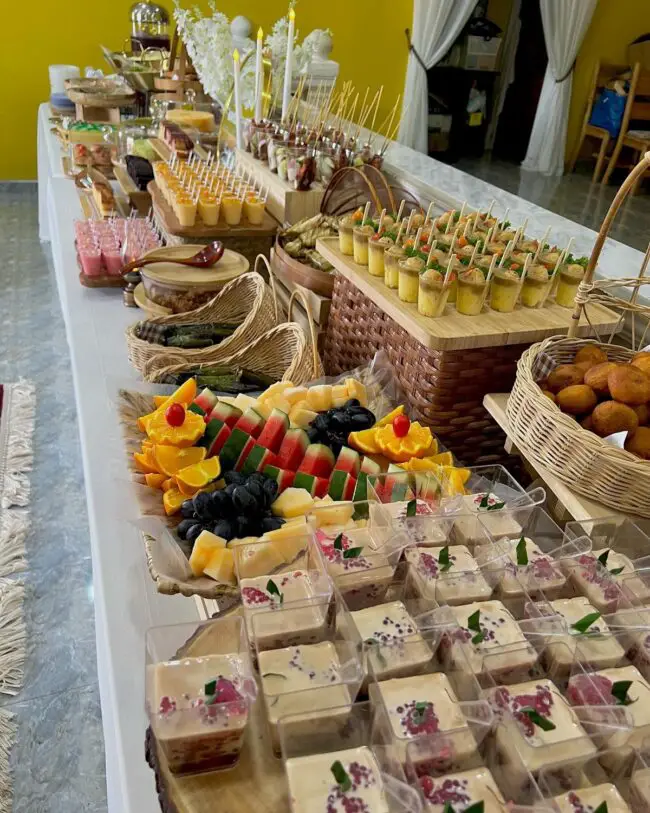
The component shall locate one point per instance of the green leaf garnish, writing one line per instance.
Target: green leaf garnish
(522, 553)
(210, 688)
(477, 807)
(616, 570)
(419, 712)
(443, 559)
(448, 808)
(273, 590)
(619, 692)
(412, 508)
(341, 775)
(338, 542)
(496, 507)
(585, 622)
(602, 808)
(352, 553)
(536, 718)
(474, 624)
(603, 557)
(484, 502)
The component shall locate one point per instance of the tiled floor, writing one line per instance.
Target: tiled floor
(572, 196)
(58, 759)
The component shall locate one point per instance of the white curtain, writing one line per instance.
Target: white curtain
(436, 25)
(565, 24)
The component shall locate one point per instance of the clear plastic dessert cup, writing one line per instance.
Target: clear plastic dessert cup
(432, 294)
(360, 237)
(254, 210)
(392, 258)
(346, 240)
(535, 289)
(376, 249)
(471, 294)
(504, 290)
(409, 279)
(569, 279)
(231, 209)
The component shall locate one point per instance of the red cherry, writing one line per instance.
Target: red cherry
(401, 426)
(175, 415)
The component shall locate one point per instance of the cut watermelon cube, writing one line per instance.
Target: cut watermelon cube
(361, 488)
(348, 460)
(196, 409)
(321, 487)
(318, 460)
(248, 448)
(342, 485)
(282, 477)
(250, 422)
(232, 449)
(292, 450)
(370, 466)
(396, 485)
(226, 412)
(206, 400)
(275, 429)
(216, 434)
(257, 459)
(306, 481)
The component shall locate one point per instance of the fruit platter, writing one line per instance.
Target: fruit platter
(216, 472)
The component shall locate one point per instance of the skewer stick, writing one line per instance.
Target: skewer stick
(462, 211)
(409, 224)
(400, 210)
(488, 279)
(505, 254)
(399, 233)
(553, 275)
(381, 220)
(468, 223)
(450, 220)
(418, 236)
(366, 212)
(374, 115)
(473, 257)
(446, 282)
(390, 125)
(505, 217)
(541, 244)
(393, 133)
(522, 279)
(431, 250)
(453, 241)
(428, 217)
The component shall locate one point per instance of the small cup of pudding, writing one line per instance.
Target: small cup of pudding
(476, 786)
(185, 208)
(392, 258)
(535, 287)
(569, 279)
(199, 704)
(347, 225)
(432, 296)
(208, 208)
(232, 207)
(254, 210)
(471, 292)
(409, 279)
(360, 237)
(376, 248)
(504, 290)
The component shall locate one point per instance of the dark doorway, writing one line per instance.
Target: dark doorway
(518, 114)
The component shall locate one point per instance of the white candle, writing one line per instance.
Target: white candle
(238, 132)
(259, 77)
(288, 66)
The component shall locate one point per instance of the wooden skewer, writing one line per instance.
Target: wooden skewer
(400, 210)
(388, 129)
(472, 258)
(431, 250)
(366, 212)
(445, 282)
(418, 236)
(381, 220)
(540, 245)
(399, 232)
(362, 113)
(408, 226)
(428, 217)
(488, 279)
(505, 254)
(450, 221)
(374, 115)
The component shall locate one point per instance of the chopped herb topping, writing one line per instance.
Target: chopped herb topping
(616, 570)
(412, 508)
(602, 808)
(603, 557)
(619, 691)
(338, 542)
(273, 590)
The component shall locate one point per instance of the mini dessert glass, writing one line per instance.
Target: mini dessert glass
(536, 286)
(376, 249)
(504, 290)
(409, 279)
(360, 237)
(432, 295)
(200, 687)
(392, 258)
(569, 279)
(347, 225)
(231, 208)
(471, 292)
(254, 210)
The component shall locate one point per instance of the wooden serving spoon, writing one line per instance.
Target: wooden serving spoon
(206, 258)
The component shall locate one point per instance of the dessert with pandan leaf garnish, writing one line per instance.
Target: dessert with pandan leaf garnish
(449, 574)
(473, 791)
(493, 512)
(599, 575)
(603, 798)
(526, 569)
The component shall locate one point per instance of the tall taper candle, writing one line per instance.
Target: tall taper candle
(259, 77)
(288, 66)
(238, 122)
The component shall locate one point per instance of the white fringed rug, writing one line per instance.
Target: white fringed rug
(17, 410)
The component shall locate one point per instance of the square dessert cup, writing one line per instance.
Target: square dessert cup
(345, 764)
(428, 489)
(200, 687)
(308, 678)
(632, 629)
(300, 589)
(639, 787)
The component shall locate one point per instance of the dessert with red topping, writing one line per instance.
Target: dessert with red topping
(450, 574)
(494, 514)
(526, 569)
(588, 639)
(588, 800)
(347, 781)
(462, 790)
(598, 574)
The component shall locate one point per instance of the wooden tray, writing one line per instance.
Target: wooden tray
(199, 231)
(140, 199)
(453, 331)
(320, 282)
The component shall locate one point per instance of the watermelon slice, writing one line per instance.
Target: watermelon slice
(257, 459)
(321, 487)
(348, 460)
(396, 485)
(318, 460)
(275, 429)
(196, 409)
(216, 434)
(306, 481)
(232, 449)
(361, 488)
(206, 400)
(250, 422)
(248, 448)
(369, 466)
(226, 412)
(292, 450)
(282, 477)
(342, 485)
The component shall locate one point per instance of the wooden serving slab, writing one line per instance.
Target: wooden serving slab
(454, 331)
(139, 199)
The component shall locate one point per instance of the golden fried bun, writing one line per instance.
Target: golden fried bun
(642, 413)
(610, 417)
(642, 361)
(577, 399)
(597, 377)
(629, 385)
(590, 352)
(549, 394)
(639, 443)
(566, 375)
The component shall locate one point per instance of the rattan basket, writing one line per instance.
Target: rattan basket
(247, 298)
(284, 352)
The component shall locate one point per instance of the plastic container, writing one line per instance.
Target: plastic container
(471, 292)
(569, 279)
(254, 210)
(232, 208)
(432, 295)
(535, 289)
(504, 290)
(360, 237)
(346, 240)
(409, 279)
(376, 249)
(392, 257)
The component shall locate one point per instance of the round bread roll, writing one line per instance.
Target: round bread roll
(642, 413)
(585, 365)
(639, 443)
(549, 394)
(597, 377)
(577, 399)
(587, 423)
(590, 352)
(642, 361)
(610, 417)
(566, 375)
(629, 385)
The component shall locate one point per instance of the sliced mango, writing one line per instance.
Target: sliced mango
(155, 480)
(159, 400)
(170, 459)
(172, 501)
(199, 474)
(391, 416)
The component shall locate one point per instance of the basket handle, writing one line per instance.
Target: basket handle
(271, 283)
(622, 193)
(298, 294)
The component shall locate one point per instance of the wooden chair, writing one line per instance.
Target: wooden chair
(603, 74)
(636, 137)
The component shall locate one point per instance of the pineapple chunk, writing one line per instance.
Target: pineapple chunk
(339, 395)
(204, 547)
(336, 514)
(301, 417)
(323, 500)
(293, 502)
(319, 398)
(221, 566)
(275, 389)
(291, 539)
(278, 402)
(295, 394)
(258, 560)
(290, 528)
(356, 390)
(244, 402)
(246, 540)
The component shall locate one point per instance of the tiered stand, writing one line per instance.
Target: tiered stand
(446, 365)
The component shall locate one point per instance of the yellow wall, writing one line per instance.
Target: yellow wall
(369, 51)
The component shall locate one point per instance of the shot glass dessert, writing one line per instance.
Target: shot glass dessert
(463, 789)
(471, 292)
(409, 279)
(392, 258)
(360, 237)
(569, 279)
(347, 225)
(432, 296)
(504, 290)
(254, 210)
(185, 209)
(376, 248)
(535, 288)
(208, 208)
(592, 798)
(232, 207)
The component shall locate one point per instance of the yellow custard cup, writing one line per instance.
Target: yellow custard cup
(569, 279)
(432, 297)
(409, 279)
(231, 207)
(376, 249)
(254, 211)
(535, 287)
(346, 227)
(504, 290)
(185, 209)
(392, 258)
(209, 209)
(360, 237)
(471, 292)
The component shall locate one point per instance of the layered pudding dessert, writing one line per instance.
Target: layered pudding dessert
(361, 573)
(409, 277)
(504, 290)
(271, 622)
(462, 790)
(393, 641)
(526, 569)
(303, 680)
(432, 297)
(490, 640)
(376, 248)
(537, 726)
(360, 237)
(535, 287)
(494, 515)
(425, 528)
(588, 640)
(448, 575)
(471, 292)
(597, 575)
(424, 705)
(569, 279)
(586, 800)
(392, 258)
(232, 207)
(340, 781)
(199, 710)
(346, 227)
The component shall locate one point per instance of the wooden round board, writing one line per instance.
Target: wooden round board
(145, 304)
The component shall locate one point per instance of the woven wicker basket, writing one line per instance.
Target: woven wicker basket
(247, 298)
(284, 352)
